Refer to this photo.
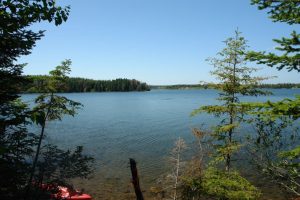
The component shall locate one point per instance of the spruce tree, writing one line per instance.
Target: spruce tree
(17, 39)
(235, 80)
(283, 166)
(288, 57)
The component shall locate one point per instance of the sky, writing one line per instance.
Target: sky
(160, 42)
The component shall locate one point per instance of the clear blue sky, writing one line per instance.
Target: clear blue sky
(156, 41)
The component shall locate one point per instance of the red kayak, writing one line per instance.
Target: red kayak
(64, 193)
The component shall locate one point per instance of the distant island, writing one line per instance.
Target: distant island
(35, 84)
(213, 86)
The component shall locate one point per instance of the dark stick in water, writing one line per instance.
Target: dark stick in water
(135, 180)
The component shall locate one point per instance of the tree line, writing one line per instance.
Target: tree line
(280, 85)
(215, 86)
(36, 83)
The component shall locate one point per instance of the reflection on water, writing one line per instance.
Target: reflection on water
(114, 127)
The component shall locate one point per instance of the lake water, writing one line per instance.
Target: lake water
(116, 126)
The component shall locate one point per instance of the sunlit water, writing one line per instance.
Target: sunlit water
(116, 126)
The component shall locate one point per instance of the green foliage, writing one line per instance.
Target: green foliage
(52, 165)
(290, 58)
(55, 168)
(286, 107)
(292, 154)
(228, 185)
(50, 106)
(275, 134)
(274, 124)
(235, 79)
(216, 184)
(219, 110)
(53, 107)
(281, 11)
(231, 70)
(58, 77)
(284, 169)
(224, 150)
(16, 146)
(17, 40)
(289, 162)
(60, 166)
(192, 188)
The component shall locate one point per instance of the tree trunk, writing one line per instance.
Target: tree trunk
(38, 150)
(34, 162)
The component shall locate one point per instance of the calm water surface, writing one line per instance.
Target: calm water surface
(142, 125)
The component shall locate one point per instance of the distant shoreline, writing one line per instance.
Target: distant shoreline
(214, 86)
(38, 83)
(89, 92)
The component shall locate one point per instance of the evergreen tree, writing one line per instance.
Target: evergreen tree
(287, 11)
(283, 167)
(17, 39)
(235, 80)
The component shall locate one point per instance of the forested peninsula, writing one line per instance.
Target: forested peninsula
(36, 83)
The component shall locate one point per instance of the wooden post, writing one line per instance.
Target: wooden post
(135, 180)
